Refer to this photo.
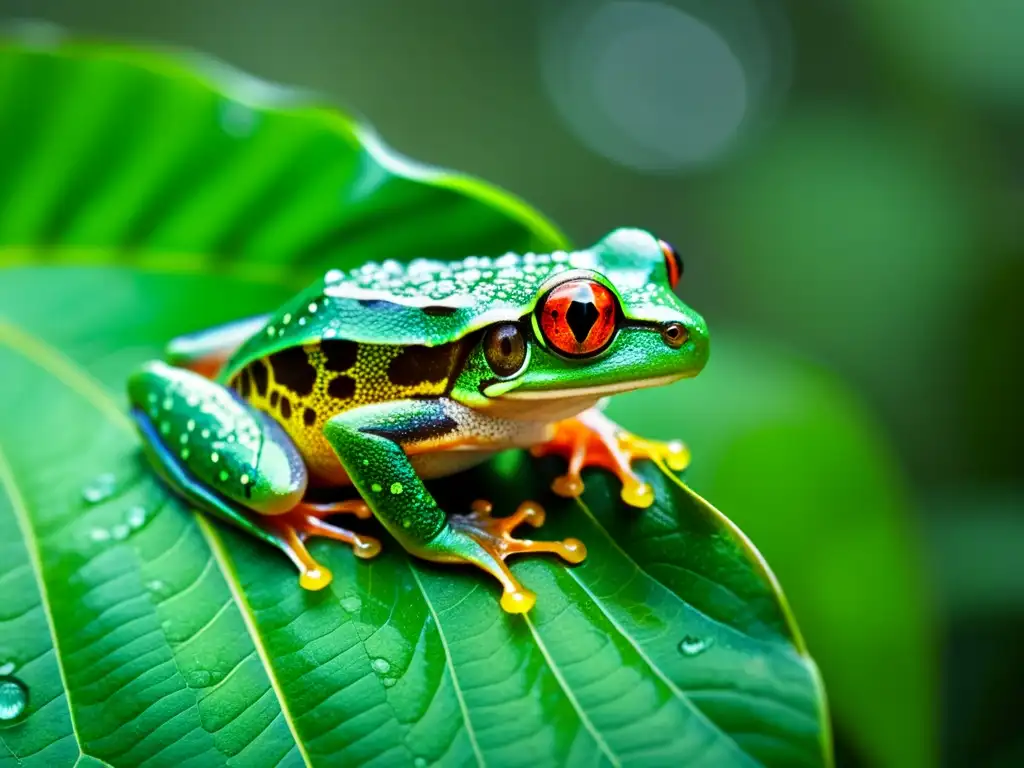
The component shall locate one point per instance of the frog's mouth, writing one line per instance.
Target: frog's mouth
(601, 390)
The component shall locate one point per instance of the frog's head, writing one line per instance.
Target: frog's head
(609, 322)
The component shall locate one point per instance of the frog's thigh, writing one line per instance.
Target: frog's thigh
(206, 351)
(227, 458)
(198, 433)
(369, 442)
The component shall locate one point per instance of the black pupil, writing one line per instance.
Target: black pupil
(506, 346)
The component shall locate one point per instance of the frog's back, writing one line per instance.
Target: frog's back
(376, 333)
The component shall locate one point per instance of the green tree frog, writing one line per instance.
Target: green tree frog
(388, 374)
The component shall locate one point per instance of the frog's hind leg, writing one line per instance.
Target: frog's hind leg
(593, 440)
(235, 463)
(205, 352)
(372, 444)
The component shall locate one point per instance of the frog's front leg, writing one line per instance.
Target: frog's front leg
(236, 463)
(593, 440)
(372, 443)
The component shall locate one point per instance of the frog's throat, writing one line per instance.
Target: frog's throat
(599, 391)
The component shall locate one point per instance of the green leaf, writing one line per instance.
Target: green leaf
(147, 633)
(801, 467)
(129, 157)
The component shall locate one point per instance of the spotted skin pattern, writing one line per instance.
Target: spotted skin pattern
(302, 388)
(378, 377)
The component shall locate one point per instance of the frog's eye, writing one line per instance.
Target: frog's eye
(577, 317)
(505, 349)
(673, 263)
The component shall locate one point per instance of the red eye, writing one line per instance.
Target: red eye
(673, 263)
(578, 317)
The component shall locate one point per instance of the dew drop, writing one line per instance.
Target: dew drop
(100, 489)
(6, 669)
(381, 666)
(99, 534)
(694, 646)
(199, 678)
(13, 699)
(351, 604)
(388, 681)
(137, 517)
(156, 585)
(420, 762)
(120, 532)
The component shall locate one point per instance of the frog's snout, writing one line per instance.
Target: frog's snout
(691, 339)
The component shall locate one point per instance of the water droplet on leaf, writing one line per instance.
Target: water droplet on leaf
(120, 532)
(137, 517)
(13, 699)
(6, 669)
(389, 681)
(100, 489)
(693, 646)
(420, 762)
(381, 665)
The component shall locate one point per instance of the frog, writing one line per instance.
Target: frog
(377, 378)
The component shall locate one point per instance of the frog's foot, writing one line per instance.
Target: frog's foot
(292, 529)
(593, 440)
(492, 541)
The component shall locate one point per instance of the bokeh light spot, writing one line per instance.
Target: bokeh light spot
(645, 84)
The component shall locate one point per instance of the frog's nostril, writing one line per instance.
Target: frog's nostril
(675, 335)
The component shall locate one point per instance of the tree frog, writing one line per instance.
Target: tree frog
(387, 374)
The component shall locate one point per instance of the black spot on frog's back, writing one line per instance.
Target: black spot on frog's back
(293, 371)
(339, 356)
(418, 364)
(258, 370)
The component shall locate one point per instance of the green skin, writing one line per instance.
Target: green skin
(235, 461)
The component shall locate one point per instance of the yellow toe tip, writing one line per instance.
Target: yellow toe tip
(518, 602)
(574, 551)
(533, 513)
(315, 579)
(639, 495)
(569, 487)
(366, 548)
(677, 456)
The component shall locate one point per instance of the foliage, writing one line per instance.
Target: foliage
(168, 201)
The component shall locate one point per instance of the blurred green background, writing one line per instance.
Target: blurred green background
(845, 182)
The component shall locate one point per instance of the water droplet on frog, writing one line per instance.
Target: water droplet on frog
(389, 681)
(137, 517)
(381, 666)
(100, 489)
(351, 604)
(693, 646)
(120, 532)
(13, 699)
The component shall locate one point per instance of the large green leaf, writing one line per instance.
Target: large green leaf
(792, 455)
(145, 633)
(117, 155)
